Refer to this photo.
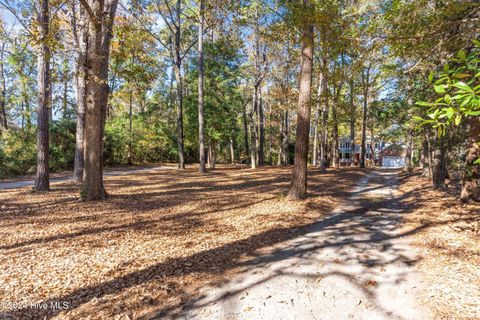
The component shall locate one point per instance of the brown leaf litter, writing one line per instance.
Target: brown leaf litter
(160, 237)
(450, 246)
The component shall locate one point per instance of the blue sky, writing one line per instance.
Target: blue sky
(9, 19)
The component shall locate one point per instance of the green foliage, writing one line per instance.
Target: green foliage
(151, 142)
(223, 100)
(458, 86)
(17, 152)
(18, 149)
(62, 145)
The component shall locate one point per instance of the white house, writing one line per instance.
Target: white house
(349, 156)
(379, 152)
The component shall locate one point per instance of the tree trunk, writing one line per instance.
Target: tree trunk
(100, 24)
(324, 134)
(22, 108)
(27, 110)
(232, 151)
(425, 154)
(298, 187)
(352, 124)
(315, 123)
(408, 153)
(130, 127)
(430, 158)
(178, 77)
(42, 182)
(253, 144)
(285, 142)
(365, 80)
(211, 155)
(270, 138)
(315, 136)
(335, 153)
(257, 133)
(3, 111)
(65, 89)
(280, 141)
(245, 130)
(258, 125)
(80, 78)
(412, 155)
(181, 152)
(470, 188)
(201, 75)
(50, 109)
(261, 146)
(439, 169)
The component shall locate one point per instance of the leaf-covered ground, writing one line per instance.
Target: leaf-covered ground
(449, 238)
(161, 236)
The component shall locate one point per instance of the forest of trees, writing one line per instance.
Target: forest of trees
(90, 83)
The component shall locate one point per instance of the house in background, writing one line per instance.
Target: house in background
(376, 152)
(393, 156)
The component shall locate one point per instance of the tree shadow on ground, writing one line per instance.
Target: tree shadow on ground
(200, 197)
(242, 256)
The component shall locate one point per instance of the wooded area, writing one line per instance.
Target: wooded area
(134, 100)
(349, 96)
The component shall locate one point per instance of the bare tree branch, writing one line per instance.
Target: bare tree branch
(170, 12)
(7, 6)
(90, 13)
(145, 28)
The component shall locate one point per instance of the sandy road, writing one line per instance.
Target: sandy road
(356, 263)
(14, 184)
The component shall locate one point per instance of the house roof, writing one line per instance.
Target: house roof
(393, 150)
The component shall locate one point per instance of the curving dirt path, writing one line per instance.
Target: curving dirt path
(357, 263)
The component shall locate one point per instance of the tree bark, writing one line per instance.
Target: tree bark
(408, 153)
(470, 187)
(26, 114)
(130, 127)
(65, 89)
(270, 138)
(285, 142)
(430, 157)
(261, 145)
(365, 80)
(256, 122)
(439, 169)
(211, 155)
(80, 79)
(280, 141)
(352, 124)
(335, 153)
(181, 152)
(325, 111)
(101, 15)
(253, 144)
(298, 187)
(42, 182)
(179, 80)
(258, 126)
(3, 88)
(315, 136)
(245, 130)
(425, 154)
(315, 123)
(201, 74)
(232, 151)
